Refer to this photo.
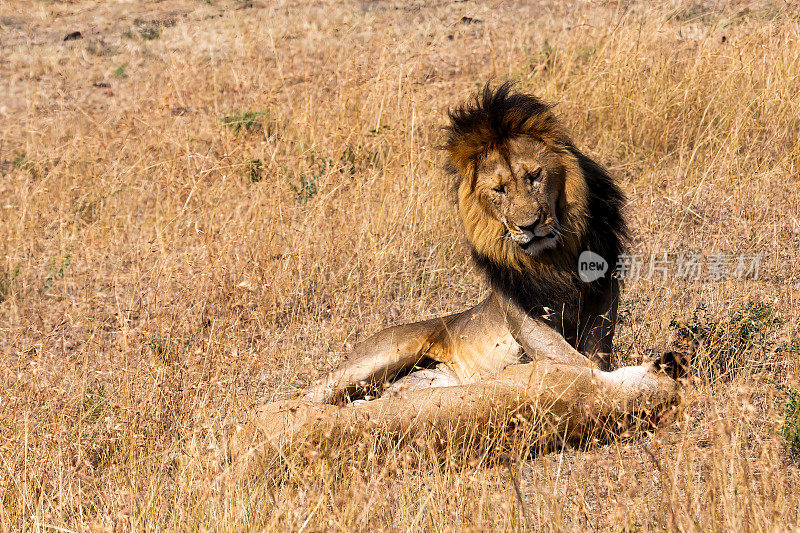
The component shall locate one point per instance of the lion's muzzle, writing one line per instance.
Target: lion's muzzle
(538, 231)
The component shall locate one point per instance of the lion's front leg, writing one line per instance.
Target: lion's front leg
(377, 360)
(539, 340)
(597, 321)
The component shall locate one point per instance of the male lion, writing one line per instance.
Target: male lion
(539, 346)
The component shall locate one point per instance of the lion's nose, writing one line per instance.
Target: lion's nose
(532, 225)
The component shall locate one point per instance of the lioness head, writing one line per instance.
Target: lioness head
(522, 196)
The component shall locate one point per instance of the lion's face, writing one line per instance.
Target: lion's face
(520, 186)
(530, 202)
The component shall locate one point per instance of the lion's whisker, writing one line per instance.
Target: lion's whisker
(559, 229)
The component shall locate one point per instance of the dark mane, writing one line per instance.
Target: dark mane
(494, 117)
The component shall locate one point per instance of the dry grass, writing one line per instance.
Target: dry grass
(204, 205)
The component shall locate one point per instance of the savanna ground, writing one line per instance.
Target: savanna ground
(205, 204)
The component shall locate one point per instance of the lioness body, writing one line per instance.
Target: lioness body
(563, 403)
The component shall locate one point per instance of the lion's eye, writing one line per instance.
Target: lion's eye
(500, 189)
(534, 175)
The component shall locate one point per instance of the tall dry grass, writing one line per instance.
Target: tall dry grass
(205, 204)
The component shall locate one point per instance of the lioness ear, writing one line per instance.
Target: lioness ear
(675, 364)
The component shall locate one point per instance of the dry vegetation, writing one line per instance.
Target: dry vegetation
(204, 204)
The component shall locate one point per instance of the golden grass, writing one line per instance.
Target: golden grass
(164, 268)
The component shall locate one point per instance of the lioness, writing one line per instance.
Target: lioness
(530, 203)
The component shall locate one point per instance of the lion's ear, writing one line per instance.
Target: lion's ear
(462, 156)
(469, 174)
